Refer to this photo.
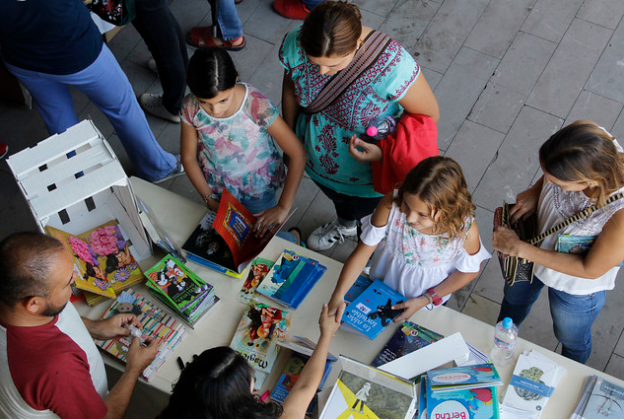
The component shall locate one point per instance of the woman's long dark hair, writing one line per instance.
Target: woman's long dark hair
(216, 385)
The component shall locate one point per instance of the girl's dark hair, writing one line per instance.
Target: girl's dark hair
(331, 29)
(89, 271)
(583, 152)
(216, 385)
(439, 182)
(210, 71)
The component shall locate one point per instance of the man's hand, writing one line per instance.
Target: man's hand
(112, 327)
(139, 357)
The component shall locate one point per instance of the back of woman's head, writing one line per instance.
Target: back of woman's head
(217, 385)
(583, 152)
(331, 29)
(439, 182)
(210, 71)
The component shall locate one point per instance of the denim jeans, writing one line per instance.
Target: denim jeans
(163, 36)
(107, 86)
(350, 209)
(230, 25)
(266, 202)
(572, 315)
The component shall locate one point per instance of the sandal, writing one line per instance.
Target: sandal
(202, 36)
(296, 232)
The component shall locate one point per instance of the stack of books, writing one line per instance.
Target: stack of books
(460, 392)
(371, 311)
(102, 260)
(301, 351)
(533, 381)
(601, 399)
(291, 278)
(155, 323)
(180, 289)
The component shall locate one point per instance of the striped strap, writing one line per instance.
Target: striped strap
(581, 215)
(374, 45)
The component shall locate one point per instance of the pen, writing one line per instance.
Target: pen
(180, 363)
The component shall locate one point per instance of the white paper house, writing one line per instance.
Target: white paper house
(81, 192)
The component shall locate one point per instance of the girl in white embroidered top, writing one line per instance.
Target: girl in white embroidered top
(423, 239)
(583, 165)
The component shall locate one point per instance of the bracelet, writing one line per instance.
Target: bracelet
(430, 305)
(211, 196)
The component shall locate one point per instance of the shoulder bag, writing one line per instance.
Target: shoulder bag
(519, 269)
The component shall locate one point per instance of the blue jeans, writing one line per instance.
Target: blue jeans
(572, 315)
(107, 86)
(266, 202)
(230, 25)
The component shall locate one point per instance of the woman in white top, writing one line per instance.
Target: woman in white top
(583, 165)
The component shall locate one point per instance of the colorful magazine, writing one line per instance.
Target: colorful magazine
(102, 260)
(258, 270)
(156, 323)
(362, 392)
(408, 338)
(225, 241)
(371, 312)
(291, 278)
(463, 377)
(258, 332)
(479, 403)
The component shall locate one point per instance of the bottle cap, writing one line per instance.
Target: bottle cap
(507, 322)
(372, 131)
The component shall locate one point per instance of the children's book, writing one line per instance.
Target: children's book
(258, 332)
(302, 349)
(258, 270)
(363, 392)
(361, 283)
(408, 337)
(371, 312)
(291, 278)
(180, 289)
(102, 260)
(576, 244)
(225, 241)
(463, 377)
(155, 322)
(478, 403)
(605, 400)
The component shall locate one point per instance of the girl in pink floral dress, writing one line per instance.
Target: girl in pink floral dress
(227, 141)
(423, 239)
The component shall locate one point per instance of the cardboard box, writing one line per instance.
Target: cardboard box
(81, 192)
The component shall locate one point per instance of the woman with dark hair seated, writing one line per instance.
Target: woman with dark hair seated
(219, 383)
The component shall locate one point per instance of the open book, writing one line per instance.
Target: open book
(225, 241)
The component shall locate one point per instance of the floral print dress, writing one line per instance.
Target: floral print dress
(326, 134)
(411, 262)
(237, 152)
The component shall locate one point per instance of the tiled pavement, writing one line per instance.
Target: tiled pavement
(507, 74)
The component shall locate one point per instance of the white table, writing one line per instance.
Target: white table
(179, 217)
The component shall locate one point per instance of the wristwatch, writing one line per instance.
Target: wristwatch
(436, 299)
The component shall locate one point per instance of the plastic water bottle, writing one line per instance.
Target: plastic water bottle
(379, 129)
(504, 342)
